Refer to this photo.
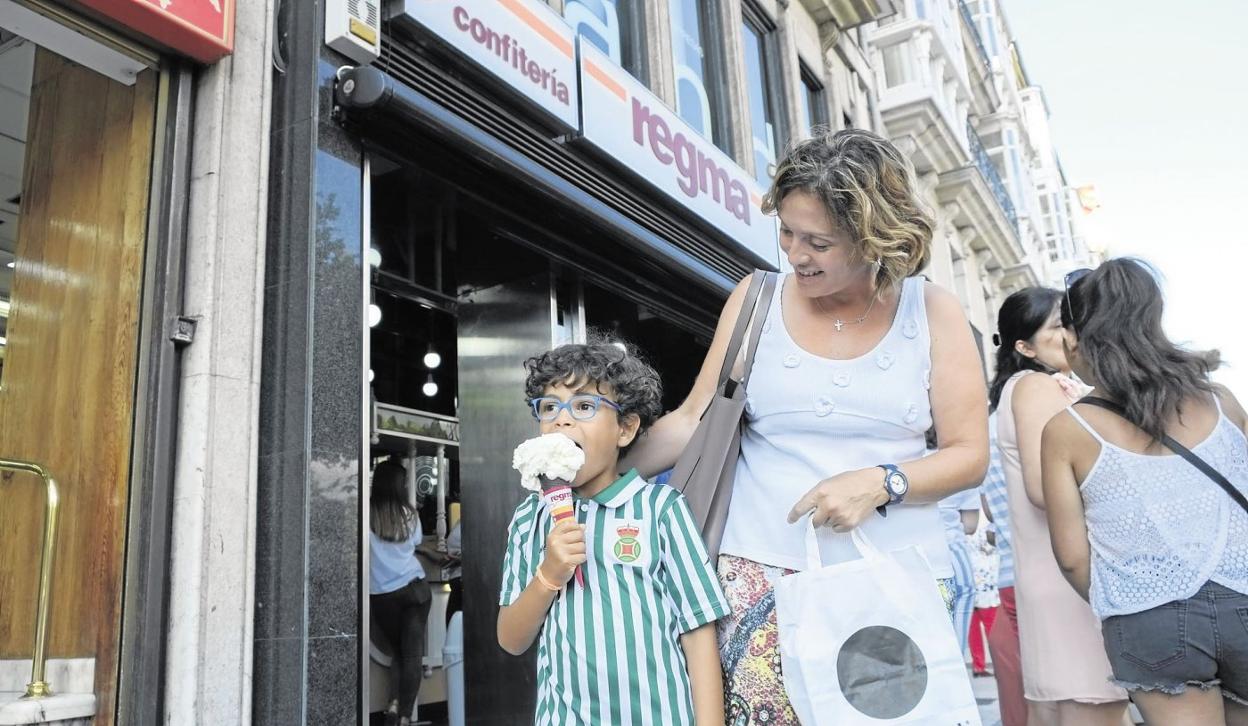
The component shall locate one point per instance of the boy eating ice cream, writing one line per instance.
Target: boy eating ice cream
(637, 642)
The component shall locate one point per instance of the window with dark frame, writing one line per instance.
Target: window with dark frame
(814, 99)
(697, 53)
(615, 27)
(763, 83)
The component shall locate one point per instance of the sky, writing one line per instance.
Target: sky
(1151, 106)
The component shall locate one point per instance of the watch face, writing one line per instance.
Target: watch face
(896, 483)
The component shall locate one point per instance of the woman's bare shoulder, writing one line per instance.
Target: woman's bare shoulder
(1061, 431)
(736, 298)
(941, 304)
(1037, 390)
(1231, 406)
(1036, 383)
(1063, 424)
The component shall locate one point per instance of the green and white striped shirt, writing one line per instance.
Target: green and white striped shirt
(610, 652)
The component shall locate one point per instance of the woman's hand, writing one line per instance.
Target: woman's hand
(843, 501)
(443, 559)
(565, 550)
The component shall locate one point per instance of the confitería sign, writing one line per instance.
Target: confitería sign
(522, 43)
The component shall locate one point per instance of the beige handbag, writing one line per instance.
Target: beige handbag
(704, 472)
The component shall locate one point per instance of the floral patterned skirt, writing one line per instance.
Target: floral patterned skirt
(749, 644)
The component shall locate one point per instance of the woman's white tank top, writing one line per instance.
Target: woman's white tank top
(809, 418)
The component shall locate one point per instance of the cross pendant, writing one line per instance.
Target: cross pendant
(839, 324)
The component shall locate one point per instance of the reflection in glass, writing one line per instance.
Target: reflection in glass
(812, 99)
(693, 99)
(762, 126)
(609, 26)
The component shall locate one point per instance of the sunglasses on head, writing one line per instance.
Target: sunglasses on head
(1069, 281)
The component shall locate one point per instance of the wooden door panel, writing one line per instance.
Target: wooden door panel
(67, 395)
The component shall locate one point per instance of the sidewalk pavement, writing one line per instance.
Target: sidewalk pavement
(985, 690)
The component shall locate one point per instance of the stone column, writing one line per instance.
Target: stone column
(734, 88)
(659, 65)
(791, 82)
(212, 558)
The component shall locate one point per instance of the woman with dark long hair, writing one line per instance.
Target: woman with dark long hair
(398, 593)
(1064, 670)
(1157, 544)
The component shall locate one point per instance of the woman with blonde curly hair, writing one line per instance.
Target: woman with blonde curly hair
(859, 356)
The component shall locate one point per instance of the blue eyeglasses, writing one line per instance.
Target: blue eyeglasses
(582, 406)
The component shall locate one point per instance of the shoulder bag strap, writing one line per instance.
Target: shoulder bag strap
(764, 299)
(752, 297)
(1179, 449)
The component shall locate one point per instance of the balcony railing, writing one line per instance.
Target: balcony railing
(989, 171)
(979, 39)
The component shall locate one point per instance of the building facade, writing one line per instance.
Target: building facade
(1049, 210)
(135, 176)
(356, 226)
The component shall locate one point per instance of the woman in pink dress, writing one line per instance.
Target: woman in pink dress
(1065, 671)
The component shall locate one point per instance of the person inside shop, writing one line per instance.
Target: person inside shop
(398, 592)
(859, 356)
(638, 636)
(1146, 486)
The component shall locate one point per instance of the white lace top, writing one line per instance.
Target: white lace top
(1159, 528)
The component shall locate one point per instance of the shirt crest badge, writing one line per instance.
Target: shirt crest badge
(628, 548)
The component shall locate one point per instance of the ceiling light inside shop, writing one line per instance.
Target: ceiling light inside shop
(374, 316)
(12, 264)
(374, 257)
(370, 375)
(432, 358)
(430, 389)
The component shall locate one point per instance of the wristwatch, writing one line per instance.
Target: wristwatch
(896, 484)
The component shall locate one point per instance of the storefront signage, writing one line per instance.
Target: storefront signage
(202, 29)
(522, 42)
(623, 118)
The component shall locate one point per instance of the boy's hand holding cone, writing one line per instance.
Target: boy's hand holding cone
(548, 464)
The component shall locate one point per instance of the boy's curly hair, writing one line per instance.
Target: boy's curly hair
(635, 386)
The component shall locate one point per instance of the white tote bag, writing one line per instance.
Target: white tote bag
(869, 641)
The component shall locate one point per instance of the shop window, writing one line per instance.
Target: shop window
(615, 27)
(699, 78)
(762, 71)
(813, 98)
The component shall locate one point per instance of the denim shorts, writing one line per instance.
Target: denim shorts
(1201, 641)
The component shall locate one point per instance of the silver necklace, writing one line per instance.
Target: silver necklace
(840, 324)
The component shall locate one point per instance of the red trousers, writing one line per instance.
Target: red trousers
(1003, 644)
(981, 625)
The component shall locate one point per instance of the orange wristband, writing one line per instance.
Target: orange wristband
(545, 583)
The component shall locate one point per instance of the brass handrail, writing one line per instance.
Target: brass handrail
(38, 686)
